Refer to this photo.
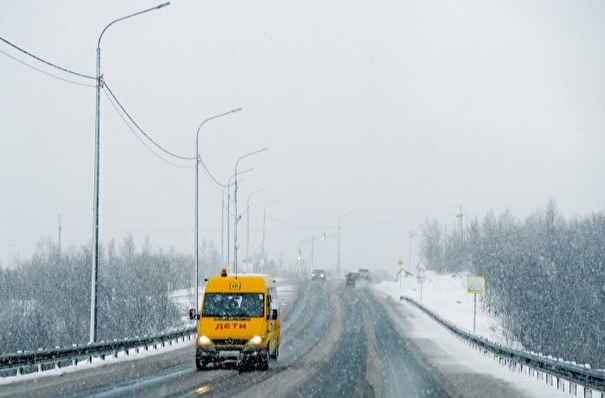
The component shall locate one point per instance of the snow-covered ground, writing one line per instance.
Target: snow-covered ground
(447, 296)
(183, 298)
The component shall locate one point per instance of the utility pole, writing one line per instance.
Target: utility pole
(197, 205)
(412, 234)
(460, 240)
(59, 244)
(237, 217)
(338, 263)
(312, 250)
(248, 225)
(459, 216)
(97, 176)
(262, 252)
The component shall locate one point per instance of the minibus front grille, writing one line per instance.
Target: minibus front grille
(230, 341)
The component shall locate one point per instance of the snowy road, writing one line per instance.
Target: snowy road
(336, 341)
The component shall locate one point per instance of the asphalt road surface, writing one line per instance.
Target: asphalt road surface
(337, 341)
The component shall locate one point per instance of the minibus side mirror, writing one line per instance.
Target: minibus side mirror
(193, 314)
(273, 314)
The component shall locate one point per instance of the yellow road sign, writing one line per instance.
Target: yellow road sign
(475, 284)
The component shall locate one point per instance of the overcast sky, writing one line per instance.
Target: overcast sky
(396, 111)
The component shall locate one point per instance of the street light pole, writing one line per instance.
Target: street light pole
(303, 267)
(262, 258)
(196, 233)
(338, 265)
(248, 224)
(236, 218)
(323, 237)
(223, 228)
(96, 189)
(312, 240)
(226, 210)
(312, 251)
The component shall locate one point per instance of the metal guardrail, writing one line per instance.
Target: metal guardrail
(34, 361)
(592, 380)
(44, 359)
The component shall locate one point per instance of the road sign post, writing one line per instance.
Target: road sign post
(475, 284)
(400, 262)
(421, 276)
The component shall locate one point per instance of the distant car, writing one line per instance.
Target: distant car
(318, 274)
(365, 274)
(351, 278)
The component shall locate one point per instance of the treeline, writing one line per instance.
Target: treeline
(545, 277)
(45, 300)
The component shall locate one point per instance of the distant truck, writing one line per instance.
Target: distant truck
(351, 278)
(238, 321)
(366, 275)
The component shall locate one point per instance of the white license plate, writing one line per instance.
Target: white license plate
(229, 354)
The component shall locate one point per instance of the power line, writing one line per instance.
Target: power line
(108, 90)
(334, 226)
(210, 174)
(46, 73)
(374, 242)
(111, 101)
(46, 62)
(298, 226)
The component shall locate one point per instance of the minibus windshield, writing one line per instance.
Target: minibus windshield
(233, 305)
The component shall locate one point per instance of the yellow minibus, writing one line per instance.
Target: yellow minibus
(238, 321)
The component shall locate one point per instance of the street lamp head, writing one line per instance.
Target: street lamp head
(248, 154)
(271, 203)
(121, 19)
(343, 215)
(216, 116)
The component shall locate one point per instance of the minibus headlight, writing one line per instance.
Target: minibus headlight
(203, 340)
(256, 340)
